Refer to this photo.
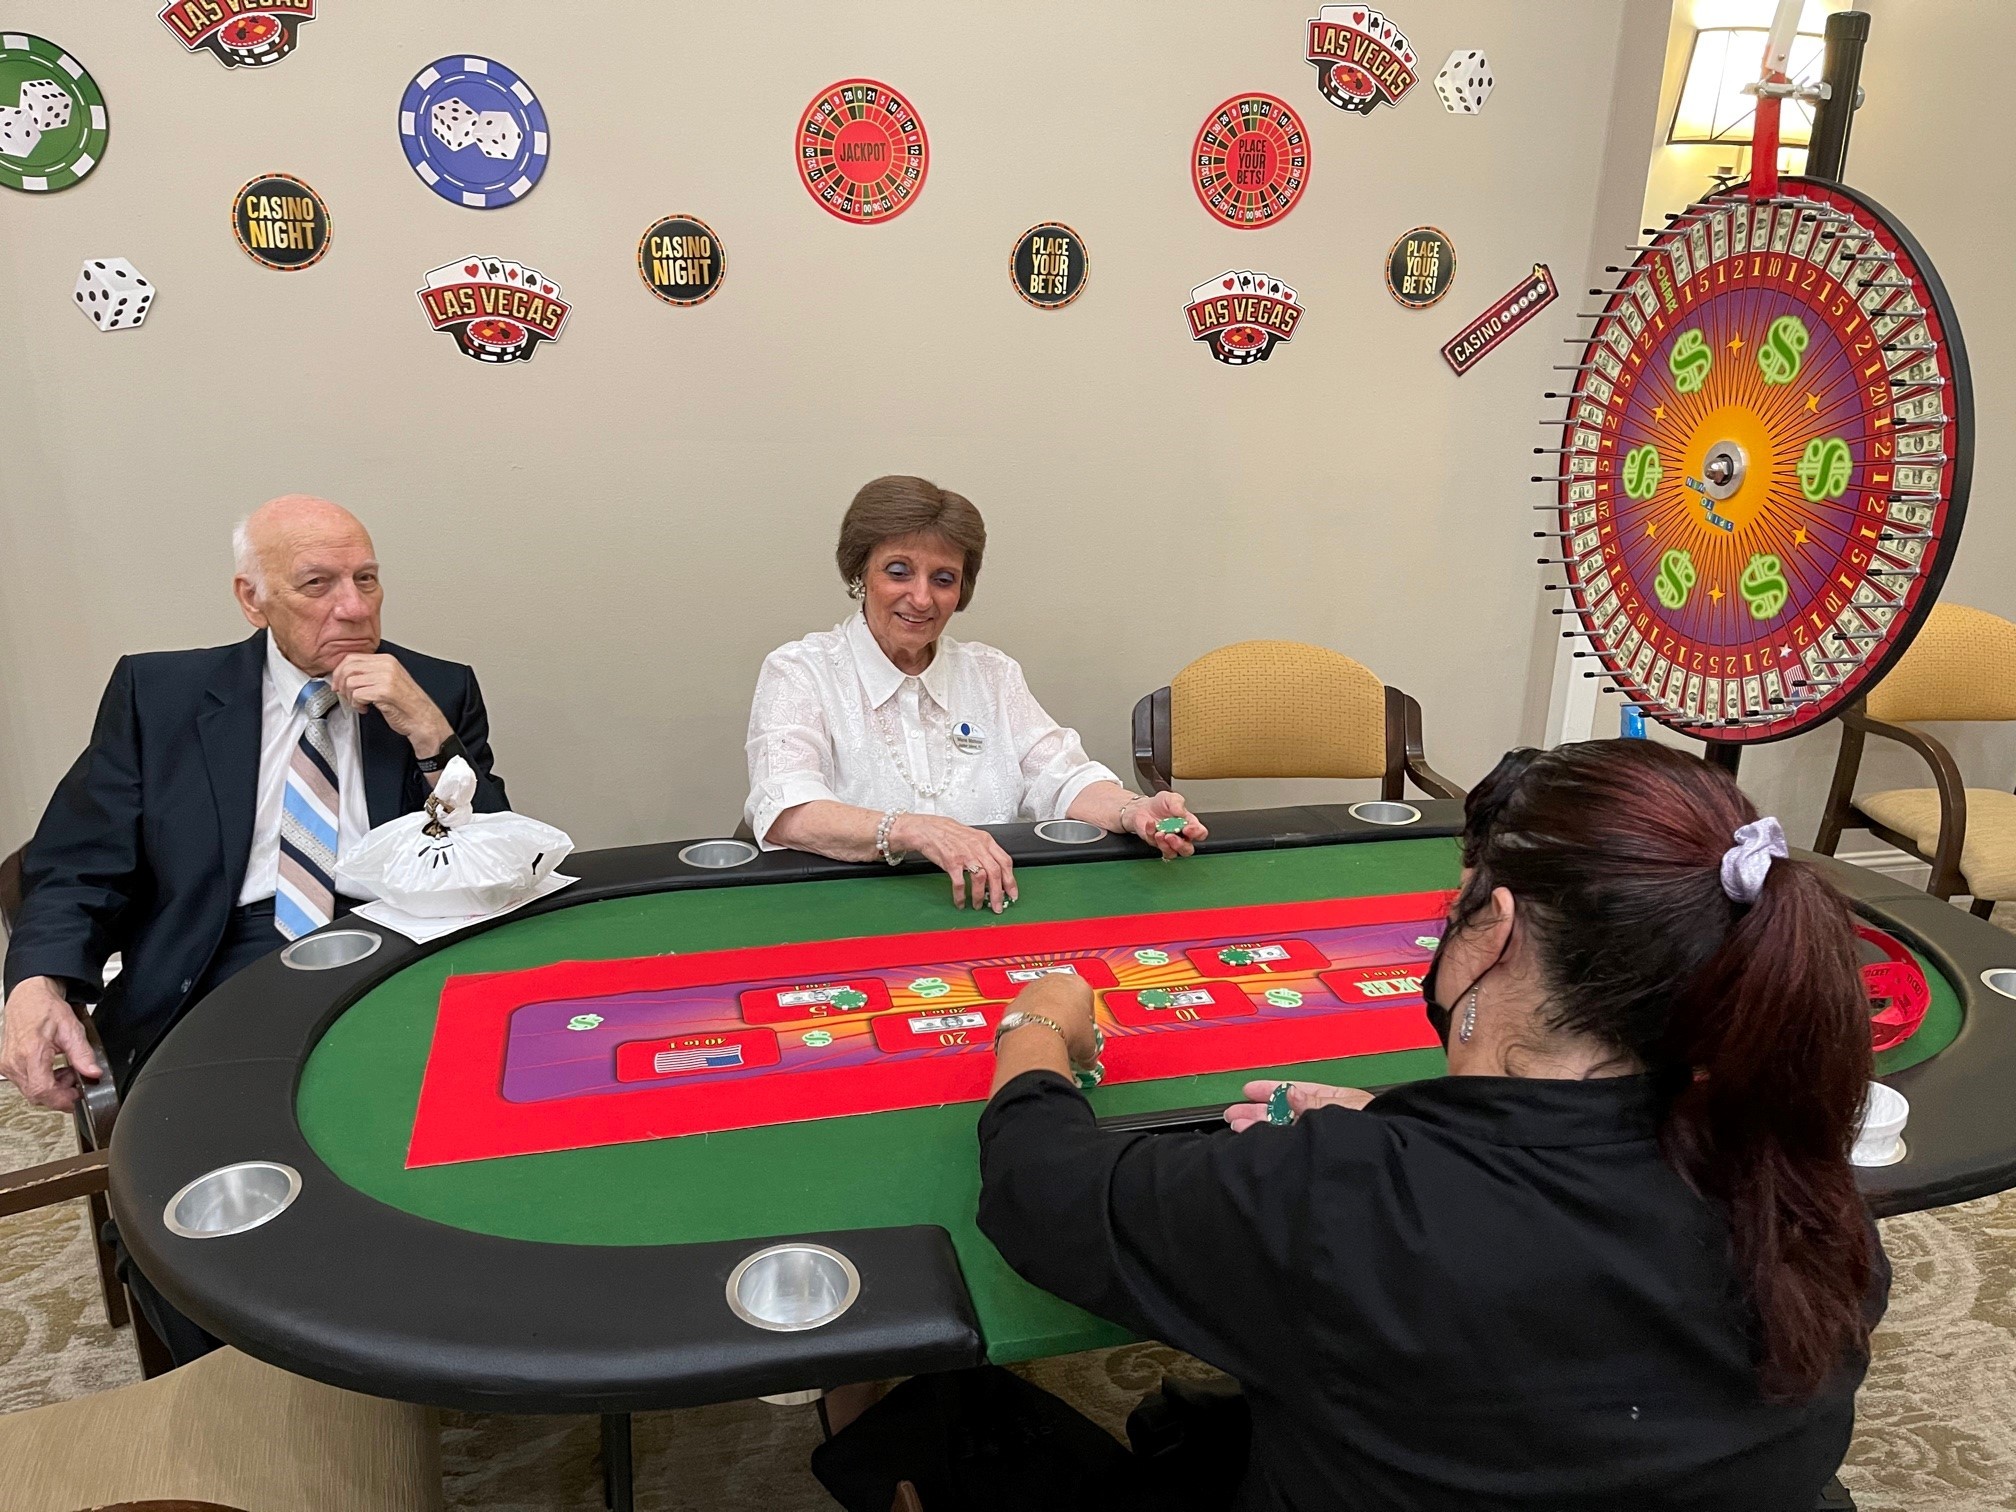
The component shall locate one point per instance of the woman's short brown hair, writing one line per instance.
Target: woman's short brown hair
(898, 506)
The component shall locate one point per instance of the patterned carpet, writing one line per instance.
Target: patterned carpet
(1937, 1426)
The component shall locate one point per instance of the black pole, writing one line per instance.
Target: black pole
(1725, 754)
(1827, 157)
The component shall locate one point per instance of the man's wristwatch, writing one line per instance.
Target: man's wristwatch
(450, 749)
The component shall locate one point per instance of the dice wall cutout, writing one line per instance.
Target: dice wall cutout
(111, 291)
(1464, 82)
(45, 100)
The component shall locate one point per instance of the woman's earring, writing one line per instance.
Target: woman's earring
(1469, 1026)
(855, 589)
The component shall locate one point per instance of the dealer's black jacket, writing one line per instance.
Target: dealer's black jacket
(143, 848)
(1480, 1293)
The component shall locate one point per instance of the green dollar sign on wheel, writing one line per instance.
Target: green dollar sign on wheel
(1642, 472)
(1676, 578)
(1763, 586)
(1824, 469)
(1778, 358)
(1689, 362)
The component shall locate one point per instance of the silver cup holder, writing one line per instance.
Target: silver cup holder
(717, 855)
(332, 948)
(1385, 811)
(232, 1199)
(789, 1288)
(2000, 979)
(1069, 832)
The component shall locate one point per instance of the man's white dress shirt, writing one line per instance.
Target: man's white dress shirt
(835, 718)
(281, 721)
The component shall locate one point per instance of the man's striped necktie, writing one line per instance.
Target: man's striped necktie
(309, 819)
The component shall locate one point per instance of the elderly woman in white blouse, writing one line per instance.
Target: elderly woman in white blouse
(885, 737)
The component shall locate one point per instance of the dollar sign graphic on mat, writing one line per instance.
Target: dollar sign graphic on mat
(1823, 471)
(1642, 472)
(582, 1021)
(1778, 357)
(1689, 362)
(1676, 578)
(1763, 586)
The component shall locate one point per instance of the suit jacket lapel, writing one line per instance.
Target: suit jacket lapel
(228, 726)
(385, 755)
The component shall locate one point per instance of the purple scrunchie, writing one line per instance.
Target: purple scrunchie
(1746, 863)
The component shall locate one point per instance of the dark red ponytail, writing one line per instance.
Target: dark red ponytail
(1751, 1016)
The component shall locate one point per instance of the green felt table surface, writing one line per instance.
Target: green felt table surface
(361, 1084)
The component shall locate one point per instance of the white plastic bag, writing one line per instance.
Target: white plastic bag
(450, 860)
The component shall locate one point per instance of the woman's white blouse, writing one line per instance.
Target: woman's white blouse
(835, 718)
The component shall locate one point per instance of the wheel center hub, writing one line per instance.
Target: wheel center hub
(1722, 469)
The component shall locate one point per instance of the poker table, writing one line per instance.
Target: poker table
(522, 1167)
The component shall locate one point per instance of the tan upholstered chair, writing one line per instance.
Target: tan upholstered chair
(1269, 708)
(226, 1429)
(1961, 668)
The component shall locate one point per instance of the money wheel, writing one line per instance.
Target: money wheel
(1765, 461)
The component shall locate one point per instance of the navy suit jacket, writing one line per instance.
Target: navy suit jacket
(143, 848)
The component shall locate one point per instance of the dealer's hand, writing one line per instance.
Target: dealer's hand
(979, 868)
(1302, 1096)
(39, 1024)
(1141, 816)
(380, 682)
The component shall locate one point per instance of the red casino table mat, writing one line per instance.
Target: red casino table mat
(578, 1054)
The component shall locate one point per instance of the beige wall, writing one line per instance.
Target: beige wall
(1925, 147)
(617, 531)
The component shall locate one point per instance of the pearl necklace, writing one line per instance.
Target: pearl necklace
(926, 792)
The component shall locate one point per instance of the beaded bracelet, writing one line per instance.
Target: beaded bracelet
(882, 838)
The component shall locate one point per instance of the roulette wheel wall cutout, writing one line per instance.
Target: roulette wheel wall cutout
(1765, 460)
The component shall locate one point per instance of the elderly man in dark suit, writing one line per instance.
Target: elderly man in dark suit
(202, 826)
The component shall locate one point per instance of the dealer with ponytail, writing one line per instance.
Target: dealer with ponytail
(1615, 1259)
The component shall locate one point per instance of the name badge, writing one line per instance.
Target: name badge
(966, 740)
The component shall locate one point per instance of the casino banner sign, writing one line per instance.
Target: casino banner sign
(497, 310)
(1765, 461)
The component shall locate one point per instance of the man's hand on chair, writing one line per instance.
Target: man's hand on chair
(39, 1024)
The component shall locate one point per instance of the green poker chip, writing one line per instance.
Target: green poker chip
(849, 998)
(53, 121)
(1173, 825)
(1158, 997)
(1236, 955)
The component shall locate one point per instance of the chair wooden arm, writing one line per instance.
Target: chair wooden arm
(99, 1106)
(52, 1182)
(1946, 878)
(1405, 757)
(1151, 741)
(163, 1506)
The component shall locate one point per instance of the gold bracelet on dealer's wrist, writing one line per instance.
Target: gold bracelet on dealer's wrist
(1088, 1076)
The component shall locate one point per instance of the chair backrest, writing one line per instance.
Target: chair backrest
(1270, 708)
(1961, 666)
(10, 890)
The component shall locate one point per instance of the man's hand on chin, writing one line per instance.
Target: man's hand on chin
(378, 681)
(40, 1023)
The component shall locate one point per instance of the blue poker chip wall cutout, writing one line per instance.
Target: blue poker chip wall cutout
(474, 132)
